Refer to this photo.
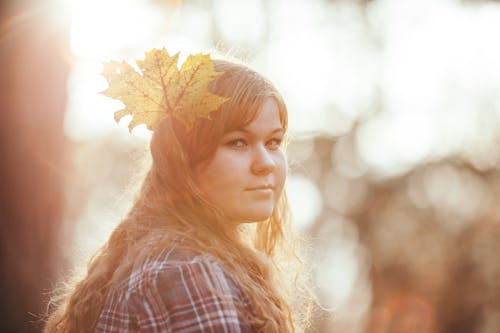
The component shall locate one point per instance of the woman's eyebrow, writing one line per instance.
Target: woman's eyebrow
(244, 130)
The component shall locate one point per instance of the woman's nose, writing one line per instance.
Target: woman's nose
(262, 161)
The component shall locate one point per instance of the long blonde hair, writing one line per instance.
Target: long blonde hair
(170, 206)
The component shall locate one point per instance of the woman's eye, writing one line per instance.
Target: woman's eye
(236, 143)
(275, 143)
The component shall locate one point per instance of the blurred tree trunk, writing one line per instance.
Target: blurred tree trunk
(32, 104)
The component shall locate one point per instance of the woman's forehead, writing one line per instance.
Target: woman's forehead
(267, 119)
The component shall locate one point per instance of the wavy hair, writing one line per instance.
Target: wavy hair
(170, 206)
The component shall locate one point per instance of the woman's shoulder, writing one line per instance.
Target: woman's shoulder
(178, 289)
(175, 262)
(178, 268)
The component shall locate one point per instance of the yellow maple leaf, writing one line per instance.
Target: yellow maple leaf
(160, 89)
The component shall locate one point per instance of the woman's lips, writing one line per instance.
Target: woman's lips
(262, 189)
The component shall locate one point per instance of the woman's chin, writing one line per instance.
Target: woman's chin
(251, 213)
(257, 217)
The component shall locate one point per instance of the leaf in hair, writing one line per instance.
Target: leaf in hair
(160, 89)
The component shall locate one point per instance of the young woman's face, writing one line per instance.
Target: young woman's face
(247, 173)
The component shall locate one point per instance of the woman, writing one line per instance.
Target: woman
(200, 249)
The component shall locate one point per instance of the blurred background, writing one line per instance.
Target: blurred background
(394, 145)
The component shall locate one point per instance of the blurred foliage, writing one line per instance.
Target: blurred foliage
(431, 234)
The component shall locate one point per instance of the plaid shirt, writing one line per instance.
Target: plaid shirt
(169, 293)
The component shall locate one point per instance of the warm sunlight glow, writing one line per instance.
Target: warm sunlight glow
(105, 30)
(100, 28)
